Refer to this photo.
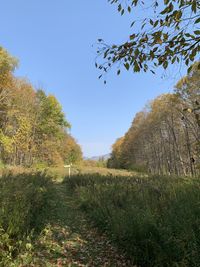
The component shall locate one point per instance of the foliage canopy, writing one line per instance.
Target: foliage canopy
(168, 32)
(33, 127)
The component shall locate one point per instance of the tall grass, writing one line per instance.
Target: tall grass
(155, 220)
(24, 202)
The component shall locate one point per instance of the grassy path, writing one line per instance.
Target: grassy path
(70, 240)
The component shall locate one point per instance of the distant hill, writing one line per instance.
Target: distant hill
(96, 158)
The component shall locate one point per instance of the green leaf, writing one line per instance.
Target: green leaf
(173, 60)
(164, 11)
(197, 21)
(194, 6)
(165, 64)
(197, 32)
(156, 23)
(166, 2)
(119, 7)
(132, 23)
(127, 66)
(137, 52)
(136, 67)
(132, 37)
(189, 69)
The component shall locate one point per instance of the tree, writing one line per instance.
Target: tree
(115, 160)
(163, 139)
(167, 33)
(7, 65)
(188, 89)
(49, 129)
(33, 127)
(70, 150)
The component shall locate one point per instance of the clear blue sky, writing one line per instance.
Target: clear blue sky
(53, 41)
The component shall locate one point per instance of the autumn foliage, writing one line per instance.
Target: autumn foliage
(33, 127)
(164, 138)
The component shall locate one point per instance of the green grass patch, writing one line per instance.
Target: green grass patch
(25, 200)
(156, 220)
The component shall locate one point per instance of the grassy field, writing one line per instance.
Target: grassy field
(154, 220)
(59, 173)
(41, 224)
(98, 217)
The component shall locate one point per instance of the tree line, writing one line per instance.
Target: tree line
(164, 138)
(33, 127)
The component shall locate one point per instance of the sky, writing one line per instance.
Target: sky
(54, 41)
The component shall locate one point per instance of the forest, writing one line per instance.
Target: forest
(164, 137)
(139, 207)
(33, 127)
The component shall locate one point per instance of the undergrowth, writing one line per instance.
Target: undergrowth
(155, 220)
(24, 203)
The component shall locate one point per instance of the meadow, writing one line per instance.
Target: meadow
(154, 220)
(89, 219)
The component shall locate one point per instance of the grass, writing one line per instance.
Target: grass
(69, 240)
(42, 225)
(102, 171)
(156, 220)
(24, 202)
(45, 221)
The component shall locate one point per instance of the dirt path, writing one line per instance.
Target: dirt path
(70, 240)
